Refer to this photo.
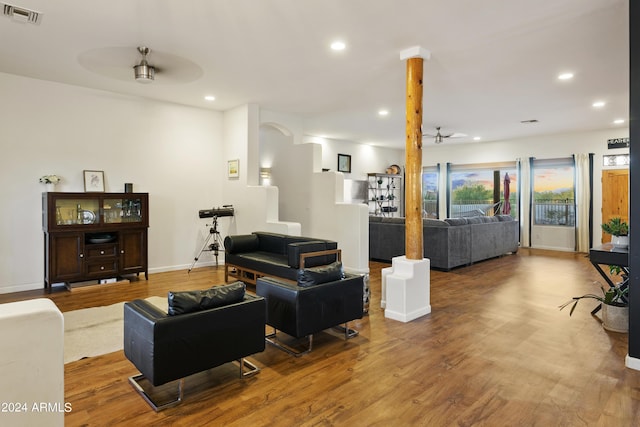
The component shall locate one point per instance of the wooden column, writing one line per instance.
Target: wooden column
(413, 160)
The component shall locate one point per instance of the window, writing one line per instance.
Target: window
(478, 190)
(553, 192)
(430, 192)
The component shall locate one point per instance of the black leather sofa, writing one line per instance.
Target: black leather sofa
(301, 311)
(166, 347)
(250, 256)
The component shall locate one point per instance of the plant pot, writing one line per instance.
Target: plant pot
(620, 241)
(615, 318)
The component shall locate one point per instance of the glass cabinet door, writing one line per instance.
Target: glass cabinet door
(122, 210)
(70, 211)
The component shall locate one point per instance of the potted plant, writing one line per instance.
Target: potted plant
(619, 231)
(614, 304)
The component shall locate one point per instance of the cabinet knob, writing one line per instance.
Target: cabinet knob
(101, 252)
(122, 251)
(81, 255)
(102, 267)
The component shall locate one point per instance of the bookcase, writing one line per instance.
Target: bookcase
(385, 194)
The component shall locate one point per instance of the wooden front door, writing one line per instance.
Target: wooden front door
(615, 196)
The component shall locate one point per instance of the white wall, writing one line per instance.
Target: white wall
(167, 150)
(364, 158)
(256, 207)
(313, 198)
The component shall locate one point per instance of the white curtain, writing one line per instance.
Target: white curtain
(583, 201)
(525, 196)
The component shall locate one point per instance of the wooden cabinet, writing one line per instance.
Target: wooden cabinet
(93, 236)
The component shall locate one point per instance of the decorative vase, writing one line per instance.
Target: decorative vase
(50, 187)
(615, 318)
(620, 241)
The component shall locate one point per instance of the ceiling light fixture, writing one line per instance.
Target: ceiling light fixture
(598, 104)
(618, 121)
(144, 72)
(565, 76)
(210, 98)
(338, 45)
(383, 112)
(477, 138)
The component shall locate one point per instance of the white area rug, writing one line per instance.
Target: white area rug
(97, 330)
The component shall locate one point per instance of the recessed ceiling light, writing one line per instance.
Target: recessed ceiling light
(210, 98)
(565, 76)
(338, 45)
(477, 138)
(598, 104)
(618, 121)
(383, 112)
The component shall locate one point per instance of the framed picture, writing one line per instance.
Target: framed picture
(344, 163)
(233, 168)
(94, 181)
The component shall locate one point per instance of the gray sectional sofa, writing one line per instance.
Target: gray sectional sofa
(447, 243)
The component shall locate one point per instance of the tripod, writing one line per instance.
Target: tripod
(216, 246)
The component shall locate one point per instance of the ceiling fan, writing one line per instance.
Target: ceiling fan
(148, 65)
(439, 138)
(143, 72)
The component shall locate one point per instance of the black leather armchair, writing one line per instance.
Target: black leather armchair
(166, 348)
(302, 311)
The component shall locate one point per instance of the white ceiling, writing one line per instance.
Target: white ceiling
(493, 63)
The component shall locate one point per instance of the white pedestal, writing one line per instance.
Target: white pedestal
(406, 289)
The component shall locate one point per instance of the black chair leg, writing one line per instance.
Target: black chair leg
(135, 382)
(273, 340)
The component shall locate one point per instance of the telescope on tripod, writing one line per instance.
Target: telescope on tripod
(218, 244)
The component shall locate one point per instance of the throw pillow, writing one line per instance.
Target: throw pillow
(218, 296)
(323, 274)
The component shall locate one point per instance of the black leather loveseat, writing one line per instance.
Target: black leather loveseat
(192, 337)
(249, 256)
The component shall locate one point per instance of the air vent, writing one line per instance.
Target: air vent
(21, 14)
(529, 121)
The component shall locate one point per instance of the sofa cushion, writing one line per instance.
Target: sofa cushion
(317, 275)
(503, 217)
(272, 242)
(456, 221)
(218, 296)
(295, 249)
(474, 220)
(489, 219)
(430, 222)
(241, 243)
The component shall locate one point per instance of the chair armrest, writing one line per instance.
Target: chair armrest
(304, 256)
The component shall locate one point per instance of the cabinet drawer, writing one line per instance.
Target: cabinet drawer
(102, 267)
(97, 251)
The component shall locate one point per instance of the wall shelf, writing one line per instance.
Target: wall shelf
(385, 194)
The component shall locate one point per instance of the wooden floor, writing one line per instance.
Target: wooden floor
(495, 351)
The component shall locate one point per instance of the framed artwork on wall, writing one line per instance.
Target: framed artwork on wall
(93, 181)
(233, 168)
(344, 163)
